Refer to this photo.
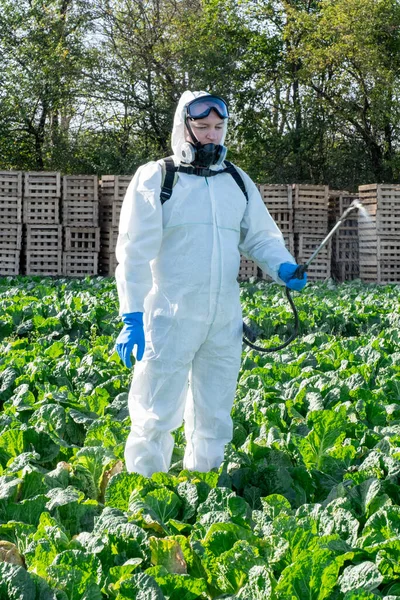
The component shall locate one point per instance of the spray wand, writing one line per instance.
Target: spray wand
(249, 336)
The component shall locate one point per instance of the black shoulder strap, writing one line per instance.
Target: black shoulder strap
(168, 183)
(231, 169)
(171, 169)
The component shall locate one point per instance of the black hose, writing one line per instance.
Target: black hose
(247, 331)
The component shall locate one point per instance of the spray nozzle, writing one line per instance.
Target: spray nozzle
(356, 204)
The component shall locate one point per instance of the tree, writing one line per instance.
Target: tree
(146, 57)
(41, 48)
(312, 85)
(349, 56)
(278, 129)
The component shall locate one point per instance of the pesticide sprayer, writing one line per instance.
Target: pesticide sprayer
(249, 336)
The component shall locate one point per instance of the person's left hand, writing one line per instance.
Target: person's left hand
(286, 273)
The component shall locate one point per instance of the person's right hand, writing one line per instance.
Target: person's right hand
(131, 334)
(287, 272)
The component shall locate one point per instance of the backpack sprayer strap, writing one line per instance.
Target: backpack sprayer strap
(231, 169)
(170, 170)
(168, 178)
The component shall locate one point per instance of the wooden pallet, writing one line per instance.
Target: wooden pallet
(319, 270)
(379, 271)
(108, 239)
(305, 245)
(310, 196)
(349, 228)
(334, 194)
(113, 187)
(80, 263)
(310, 204)
(80, 214)
(384, 223)
(42, 184)
(43, 237)
(367, 247)
(367, 230)
(368, 273)
(380, 196)
(312, 220)
(375, 245)
(9, 262)
(10, 210)
(82, 238)
(109, 213)
(289, 242)
(339, 201)
(369, 196)
(381, 249)
(11, 184)
(43, 262)
(345, 249)
(80, 187)
(10, 236)
(107, 263)
(346, 271)
(344, 202)
(276, 197)
(388, 272)
(387, 222)
(41, 210)
(248, 268)
(284, 220)
(388, 249)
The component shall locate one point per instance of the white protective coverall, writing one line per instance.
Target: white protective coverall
(179, 263)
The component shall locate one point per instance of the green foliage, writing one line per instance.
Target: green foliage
(17, 584)
(306, 503)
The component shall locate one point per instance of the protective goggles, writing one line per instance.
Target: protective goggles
(199, 108)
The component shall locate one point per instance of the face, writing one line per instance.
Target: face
(209, 130)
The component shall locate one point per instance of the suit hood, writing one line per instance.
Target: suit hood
(179, 129)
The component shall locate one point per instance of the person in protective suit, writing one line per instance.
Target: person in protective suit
(178, 263)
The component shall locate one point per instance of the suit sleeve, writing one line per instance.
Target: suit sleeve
(260, 238)
(139, 238)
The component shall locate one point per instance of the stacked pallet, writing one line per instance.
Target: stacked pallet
(278, 201)
(42, 248)
(112, 192)
(345, 245)
(10, 221)
(310, 225)
(379, 233)
(81, 231)
(247, 269)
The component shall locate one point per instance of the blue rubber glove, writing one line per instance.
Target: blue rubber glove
(131, 334)
(286, 272)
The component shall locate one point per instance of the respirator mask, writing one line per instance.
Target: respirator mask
(197, 154)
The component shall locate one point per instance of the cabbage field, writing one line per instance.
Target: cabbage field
(305, 506)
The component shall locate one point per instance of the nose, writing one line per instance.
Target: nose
(212, 134)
